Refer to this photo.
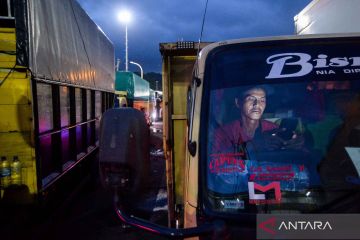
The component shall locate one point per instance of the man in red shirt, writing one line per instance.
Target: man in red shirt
(235, 147)
(249, 126)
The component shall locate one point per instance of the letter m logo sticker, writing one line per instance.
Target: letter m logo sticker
(257, 196)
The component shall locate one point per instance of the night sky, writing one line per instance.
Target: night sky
(156, 21)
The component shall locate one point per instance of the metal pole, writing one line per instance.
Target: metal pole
(126, 49)
(118, 64)
(141, 70)
(9, 8)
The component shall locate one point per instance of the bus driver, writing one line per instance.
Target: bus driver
(250, 127)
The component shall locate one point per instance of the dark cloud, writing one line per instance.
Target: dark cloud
(169, 21)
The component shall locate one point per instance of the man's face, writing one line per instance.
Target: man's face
(254, 104)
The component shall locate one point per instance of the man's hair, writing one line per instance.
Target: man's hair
(246, 91)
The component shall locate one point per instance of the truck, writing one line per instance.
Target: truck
(226, 178)
(56, 80)
(133, 91)
(328, 16)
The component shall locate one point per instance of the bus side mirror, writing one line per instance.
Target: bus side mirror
(124, 164)
(124, 151)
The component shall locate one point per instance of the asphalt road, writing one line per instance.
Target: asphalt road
(92, 216)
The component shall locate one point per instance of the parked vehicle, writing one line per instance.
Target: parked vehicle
(133, 91)
(56, 80)
(302, 160)
(328, 16)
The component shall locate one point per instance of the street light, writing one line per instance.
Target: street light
(125, 17)
(141, 70)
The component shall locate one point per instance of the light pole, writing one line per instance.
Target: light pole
(125, 17)
(141, 70)
(118, 64)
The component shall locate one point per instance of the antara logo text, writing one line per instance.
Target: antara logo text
(305, 225)
(322, 65)
(270, 226)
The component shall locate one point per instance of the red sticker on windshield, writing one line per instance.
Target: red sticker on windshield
(257, 193)
(271, 176)
(271, 173)
(226, 163)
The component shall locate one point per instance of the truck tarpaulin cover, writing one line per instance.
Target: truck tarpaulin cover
(67, 46)
(136, 87)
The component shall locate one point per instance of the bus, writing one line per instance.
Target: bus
(271, 136)
(56, 80)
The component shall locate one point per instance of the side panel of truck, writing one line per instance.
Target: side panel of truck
(328, 16)
(178, 65)
(56, 79)
(65, 45)
(176, 78)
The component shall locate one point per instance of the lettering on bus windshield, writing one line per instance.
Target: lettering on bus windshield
(306, 64)
(226, 163)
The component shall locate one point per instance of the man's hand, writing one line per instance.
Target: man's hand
(296, 142)
(271, 141)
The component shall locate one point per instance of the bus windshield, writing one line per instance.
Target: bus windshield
(283, 127)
